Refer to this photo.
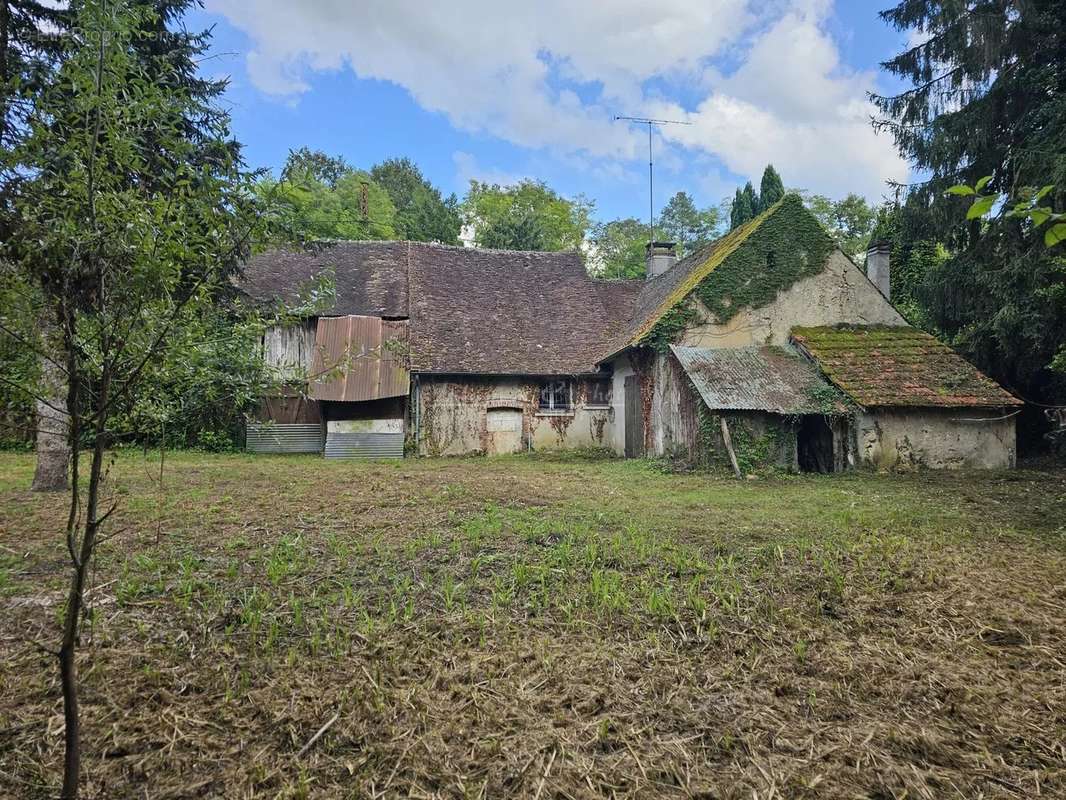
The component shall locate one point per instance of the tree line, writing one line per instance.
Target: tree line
(321, 197)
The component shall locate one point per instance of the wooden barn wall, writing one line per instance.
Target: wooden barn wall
(290, 350)
(674, 418)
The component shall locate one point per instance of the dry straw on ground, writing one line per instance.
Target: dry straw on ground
(543, 628)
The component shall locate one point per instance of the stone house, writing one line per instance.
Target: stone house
(769, 338)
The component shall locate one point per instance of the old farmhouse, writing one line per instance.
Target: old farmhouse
(769, 338)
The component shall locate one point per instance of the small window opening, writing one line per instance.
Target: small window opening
(556, 396)
(599, 392)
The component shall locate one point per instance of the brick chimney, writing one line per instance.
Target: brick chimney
(659, 257)
(878, 266)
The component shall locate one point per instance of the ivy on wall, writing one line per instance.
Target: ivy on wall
(747, 269)
(670, 327)
(767, 447)
(789, 245)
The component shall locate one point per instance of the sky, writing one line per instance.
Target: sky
(499, 91)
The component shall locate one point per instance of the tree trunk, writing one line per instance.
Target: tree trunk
(53, 422)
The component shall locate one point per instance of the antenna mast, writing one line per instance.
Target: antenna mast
(651, 170)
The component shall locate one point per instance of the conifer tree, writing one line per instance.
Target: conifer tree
(771, 189)
(986, 96)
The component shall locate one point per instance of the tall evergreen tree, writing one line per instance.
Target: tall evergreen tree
(751, 201)
(33, 39)
(771, 189)
(987, 96)
(745, 206)
(118, 254)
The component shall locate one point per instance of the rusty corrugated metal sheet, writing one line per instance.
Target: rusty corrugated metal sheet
(355, 360)
(774, 379)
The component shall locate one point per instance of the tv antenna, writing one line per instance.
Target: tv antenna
(651, 169)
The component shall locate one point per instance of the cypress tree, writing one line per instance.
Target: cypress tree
(745, 206)
(751, 202)
(738, 214)
(771, 189)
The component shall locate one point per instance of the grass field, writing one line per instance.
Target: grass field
(540, 627)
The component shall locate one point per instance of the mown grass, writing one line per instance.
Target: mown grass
(545, 625)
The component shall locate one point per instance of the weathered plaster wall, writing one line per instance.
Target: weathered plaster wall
(453, 417)
(840, 293)
(935, 439)
(616, 431)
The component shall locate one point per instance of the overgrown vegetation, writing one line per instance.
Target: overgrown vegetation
(787, 246)
(639, 632)
(746, 269)
(999, 294)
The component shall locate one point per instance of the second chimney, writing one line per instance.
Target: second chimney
(879, 267)
(659, 257)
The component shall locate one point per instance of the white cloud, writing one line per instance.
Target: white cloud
(468, 169)
(792, 103)
(551, 75)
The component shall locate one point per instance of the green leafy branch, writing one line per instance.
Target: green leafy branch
(1027, 207)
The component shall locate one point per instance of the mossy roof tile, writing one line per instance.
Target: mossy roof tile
(881, 366)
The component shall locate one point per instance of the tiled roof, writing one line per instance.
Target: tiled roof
(470, 310)
(775, 379)
(510, 312)
(882, 366)
(659, 295)
(370, 277)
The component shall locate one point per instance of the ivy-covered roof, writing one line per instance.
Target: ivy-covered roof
(880, 366)
(775, 379)
(746, 268)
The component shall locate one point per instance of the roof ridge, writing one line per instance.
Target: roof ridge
(717, 251)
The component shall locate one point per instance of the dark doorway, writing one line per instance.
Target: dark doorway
(634, 414)
(814, 444)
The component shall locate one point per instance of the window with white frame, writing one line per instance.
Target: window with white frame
(556, 395)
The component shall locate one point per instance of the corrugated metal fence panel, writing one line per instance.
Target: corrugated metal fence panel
(280, 438)
(364, 445)
(364, 351)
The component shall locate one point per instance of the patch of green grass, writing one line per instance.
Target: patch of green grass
(601, 603)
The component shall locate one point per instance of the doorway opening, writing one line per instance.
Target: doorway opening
(814, 444)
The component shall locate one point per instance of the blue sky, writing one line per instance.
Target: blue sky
(500, 91)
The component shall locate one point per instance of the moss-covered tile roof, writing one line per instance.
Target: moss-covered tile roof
(880, 366)
(746, 268)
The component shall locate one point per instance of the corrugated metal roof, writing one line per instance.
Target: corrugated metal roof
(364, 359)
(775, 379)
